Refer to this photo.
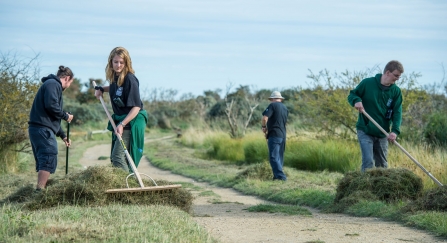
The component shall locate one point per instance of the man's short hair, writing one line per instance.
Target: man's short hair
(393, 65)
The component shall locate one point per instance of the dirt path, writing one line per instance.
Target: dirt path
(229, 222)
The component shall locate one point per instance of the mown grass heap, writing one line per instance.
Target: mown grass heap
(88, 187)
(434, 199)
(388, 185)
(261, 171)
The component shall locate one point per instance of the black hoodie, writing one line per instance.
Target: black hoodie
(47, 106)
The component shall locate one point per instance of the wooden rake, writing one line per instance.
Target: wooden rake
(403, 150)
(132, 164)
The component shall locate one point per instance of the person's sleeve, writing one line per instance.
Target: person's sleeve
(61, 133)
(355, 94)
(268, 112)
(397, 114)
(52, 101)
(133, 98)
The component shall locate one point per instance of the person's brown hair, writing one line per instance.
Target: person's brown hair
(110, 73)
(393, 65)
(64, 71)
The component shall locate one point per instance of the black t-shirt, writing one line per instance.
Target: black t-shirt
(129, 93)
(276, 124)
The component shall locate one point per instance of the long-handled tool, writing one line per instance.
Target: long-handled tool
(403, 150)
(132, 164)
(66, 154)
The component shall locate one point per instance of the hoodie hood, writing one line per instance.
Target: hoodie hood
(51, 76)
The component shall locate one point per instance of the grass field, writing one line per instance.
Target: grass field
(98, 224)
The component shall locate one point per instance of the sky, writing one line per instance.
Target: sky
(197, 45)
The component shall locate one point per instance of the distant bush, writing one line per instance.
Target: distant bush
(84, 113)
(435, 131)
(152, 121)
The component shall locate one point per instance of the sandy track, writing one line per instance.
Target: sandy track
(230, 222)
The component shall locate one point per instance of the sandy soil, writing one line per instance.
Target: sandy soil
(230, 222)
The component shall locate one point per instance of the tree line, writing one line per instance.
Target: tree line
(322, 106)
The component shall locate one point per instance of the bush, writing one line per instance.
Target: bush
(84, 113)
(435, 131)
(152, 121)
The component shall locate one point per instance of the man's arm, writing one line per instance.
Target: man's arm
(264, 123)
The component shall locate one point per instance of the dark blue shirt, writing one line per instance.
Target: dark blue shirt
(276, 124)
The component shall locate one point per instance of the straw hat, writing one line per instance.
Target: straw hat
(276, 95)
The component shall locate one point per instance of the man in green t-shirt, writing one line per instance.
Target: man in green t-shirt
(380, 97)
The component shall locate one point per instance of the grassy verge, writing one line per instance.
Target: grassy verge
(112, 223)
(100, 224)
(315, 189)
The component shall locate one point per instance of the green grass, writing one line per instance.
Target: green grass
(99, 224)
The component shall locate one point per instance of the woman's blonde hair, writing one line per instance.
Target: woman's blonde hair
(110, 73)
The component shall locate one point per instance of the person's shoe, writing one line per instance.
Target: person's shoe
(37, 190)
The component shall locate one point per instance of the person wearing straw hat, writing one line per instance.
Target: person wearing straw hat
(274, 120)
(381, 98)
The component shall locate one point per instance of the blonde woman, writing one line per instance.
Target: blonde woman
(129, 116)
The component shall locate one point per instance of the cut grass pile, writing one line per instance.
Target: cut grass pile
(260, 171)
(87, 188)
(388, 185)
(434, 199)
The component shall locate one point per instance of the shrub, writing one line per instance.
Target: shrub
(84, 113)
(435, 131)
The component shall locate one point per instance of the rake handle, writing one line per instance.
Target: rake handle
(66, 154)
(129, 158)
(403, 150)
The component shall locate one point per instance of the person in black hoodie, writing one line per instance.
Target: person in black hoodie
(45, 123)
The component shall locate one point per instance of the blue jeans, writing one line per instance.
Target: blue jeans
(276, 156)
(374, 149)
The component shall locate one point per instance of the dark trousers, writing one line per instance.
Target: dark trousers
(44, 145)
